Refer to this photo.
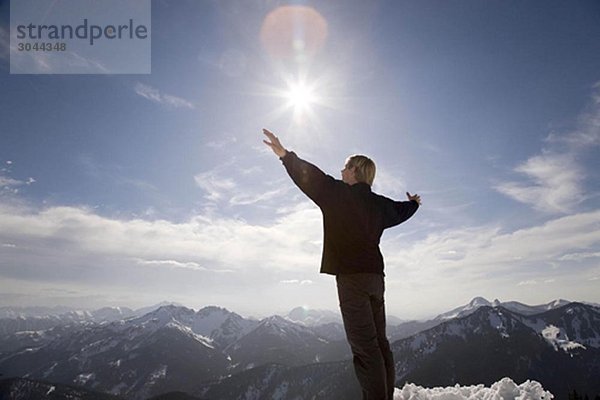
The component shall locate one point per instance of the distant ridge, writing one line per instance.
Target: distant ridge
(515, 306)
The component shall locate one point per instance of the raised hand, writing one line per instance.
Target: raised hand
(274, 143)
(414, 197)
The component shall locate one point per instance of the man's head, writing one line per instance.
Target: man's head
(358, 168)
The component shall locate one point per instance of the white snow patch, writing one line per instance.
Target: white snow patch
(115, 364)
(82, 379)
(50, 370)
(29, 350)
(189, 332)
(160, 373)
(504, 389)
(497, 323)
(552, 334)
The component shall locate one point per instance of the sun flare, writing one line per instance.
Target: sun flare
(300, 96)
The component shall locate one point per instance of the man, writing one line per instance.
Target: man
(353, 221)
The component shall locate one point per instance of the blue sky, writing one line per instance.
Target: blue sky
(133, 189)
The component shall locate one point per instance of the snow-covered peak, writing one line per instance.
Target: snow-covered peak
(479, 302)
(282, 326)
(172, 311)
(310, 317)
(211, 310)
(557, 303)
(163, 315)
(276, 320)
(209, 319)
(525, 309)
(109, 314)
(145, 310)
(513, 306)
(215, 324)
(465, 310)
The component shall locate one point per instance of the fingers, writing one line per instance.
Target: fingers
(269, 134)
(414, 197)
(274, 143)
(273, 146)
(272, 137)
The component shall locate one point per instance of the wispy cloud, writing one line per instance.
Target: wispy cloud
(171, 264)
(554, 183)
(7, 182)
(297, 282)
(587, 134)
(154, 95)
(534, 282)
(11, 185)
(246, 199)
(531, 282)
(76, 60)
(580, 256)
(229, 184)
(215, 184)
(554, 178)
(222, 143)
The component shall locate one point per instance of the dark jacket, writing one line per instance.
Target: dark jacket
(353, 218)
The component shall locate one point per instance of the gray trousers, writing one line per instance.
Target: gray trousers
(363, 311)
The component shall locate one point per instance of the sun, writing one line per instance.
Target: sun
(300, 96)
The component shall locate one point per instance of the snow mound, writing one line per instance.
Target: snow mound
(505, 389)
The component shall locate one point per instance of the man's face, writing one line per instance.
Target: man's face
(348, 174)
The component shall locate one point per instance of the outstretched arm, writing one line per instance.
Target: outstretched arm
(308, 177)
(274, 143)
(399, 211)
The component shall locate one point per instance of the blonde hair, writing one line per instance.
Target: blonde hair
(364, 168)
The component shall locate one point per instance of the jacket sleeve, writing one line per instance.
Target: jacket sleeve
(309, 178)
(399, 211)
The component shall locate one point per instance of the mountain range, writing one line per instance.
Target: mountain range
(559, 348)
(216, 353)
